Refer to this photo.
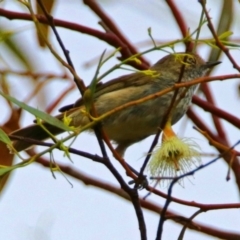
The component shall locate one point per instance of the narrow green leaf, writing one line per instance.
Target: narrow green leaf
(4, 137)
(14, 47)
(6, 169)
(225, 35)
(39, 114)
(89, 93)
(230, 44)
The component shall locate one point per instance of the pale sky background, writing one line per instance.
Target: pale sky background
(37, 206)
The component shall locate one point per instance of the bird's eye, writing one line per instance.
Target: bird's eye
(191, 60)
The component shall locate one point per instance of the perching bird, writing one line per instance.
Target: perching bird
(136, 122)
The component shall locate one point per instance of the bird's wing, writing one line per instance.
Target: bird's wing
(125, 81)
(130, 80)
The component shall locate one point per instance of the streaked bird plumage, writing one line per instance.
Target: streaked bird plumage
(137, 122)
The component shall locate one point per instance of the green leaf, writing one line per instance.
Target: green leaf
(7, 169)
(230, 44)
(48, 5)
(89, 93)
(4, 170)
(211, 44)
(4, 137)
(39, 114)
(14, 47)
(225, 35)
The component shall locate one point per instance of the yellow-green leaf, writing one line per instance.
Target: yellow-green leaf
(6, 169)
(4, 137)
(14, 47)
(39, 114)
(225, 35)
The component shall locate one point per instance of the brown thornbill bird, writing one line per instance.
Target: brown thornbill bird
(134, 123)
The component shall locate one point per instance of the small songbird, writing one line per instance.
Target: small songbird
(134, 123)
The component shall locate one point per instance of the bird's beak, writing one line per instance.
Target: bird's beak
(211, 64)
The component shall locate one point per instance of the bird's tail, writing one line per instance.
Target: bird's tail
(34, 132)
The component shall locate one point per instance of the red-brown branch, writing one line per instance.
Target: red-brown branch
(108, 37)
(218, 42)
(205, 105)
(227, 157)
(180, 22)
(208, 94)
(113, 28)
(149, 205)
